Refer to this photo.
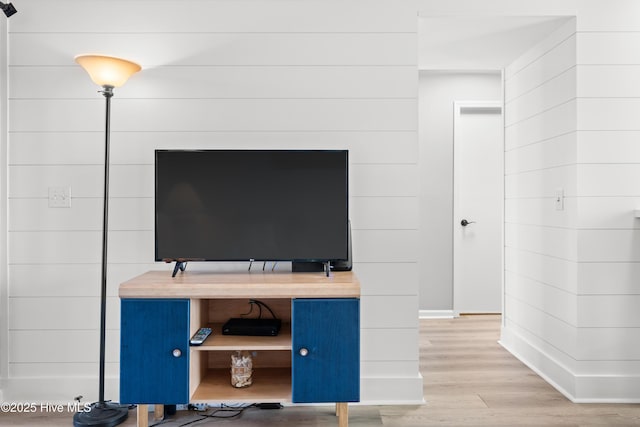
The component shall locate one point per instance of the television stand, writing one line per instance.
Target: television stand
(311, 360)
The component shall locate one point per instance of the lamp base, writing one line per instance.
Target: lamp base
(101, 414)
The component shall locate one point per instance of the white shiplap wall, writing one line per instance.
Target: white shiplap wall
(540, 241)
(608, 169)
(217, 74)
(572, 277)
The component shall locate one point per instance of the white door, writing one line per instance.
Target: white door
(478, 207)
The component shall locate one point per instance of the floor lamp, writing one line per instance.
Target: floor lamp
(109, 73)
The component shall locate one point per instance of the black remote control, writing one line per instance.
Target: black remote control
(199, 337)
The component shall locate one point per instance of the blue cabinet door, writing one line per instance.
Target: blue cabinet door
(154, 351)
(325, 350)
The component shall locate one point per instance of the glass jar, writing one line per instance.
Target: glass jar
(241, 369)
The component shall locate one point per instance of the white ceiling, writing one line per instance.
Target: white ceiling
(479, 43)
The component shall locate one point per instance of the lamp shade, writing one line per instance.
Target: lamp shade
(107, 71)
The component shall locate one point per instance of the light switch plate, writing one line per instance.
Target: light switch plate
(559, 199)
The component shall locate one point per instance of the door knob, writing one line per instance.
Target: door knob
(303, 352)
(176, 352)
(464, 222)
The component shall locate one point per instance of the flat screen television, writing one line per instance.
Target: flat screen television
(244, 205)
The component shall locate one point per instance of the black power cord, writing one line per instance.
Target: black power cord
(223, 412)
(260, 304)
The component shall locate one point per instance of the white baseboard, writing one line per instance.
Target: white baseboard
(436, 314)
(583, 388)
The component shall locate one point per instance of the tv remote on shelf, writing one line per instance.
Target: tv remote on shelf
(199, 337)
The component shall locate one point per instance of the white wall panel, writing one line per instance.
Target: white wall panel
(385, 246)
(131, 181)
(406, 369)
(35, 215)
(608, 212)
(66, 370)
(609, 278)
(183, 115)
(69, 148)
(388, 344)
(45, 247)
(131, 246)
(547, 124)
(609, 311)
(61, 313)
(555, 91)
(33, 181)
(207, 49)
(67, 280)
(540, 211)
(608, 48)
(603, 146)
(221, 16)
(554, 152)
(551, 61)
(546, 54)
(387, 278)
(119, 273)
(30, 148)
(386, 311)
(131, 213)
(56, 116)
(596, 15)
(384, 213)
(542, 182)
(553, 241)
(606, 180)
(54, 280)
(556, 272)
(549, 330)
(373, 180)
(609, 245)
(544, 297)
(62, 346)
(608, 114)
(609, 81)
(603, 343)
(227, 82)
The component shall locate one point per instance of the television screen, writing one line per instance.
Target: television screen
(240, 205)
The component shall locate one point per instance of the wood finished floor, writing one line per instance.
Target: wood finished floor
(469, 380)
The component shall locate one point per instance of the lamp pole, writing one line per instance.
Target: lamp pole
(108, 72)
(108, 94)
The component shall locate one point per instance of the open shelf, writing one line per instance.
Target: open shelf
(218, 342)
(269, 385)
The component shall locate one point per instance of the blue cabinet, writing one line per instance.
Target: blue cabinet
(154, 351)
(325, 350)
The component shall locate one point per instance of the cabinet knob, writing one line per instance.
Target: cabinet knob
(176, 352)
(303, 352)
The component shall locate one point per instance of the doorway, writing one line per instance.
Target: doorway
(478, 171)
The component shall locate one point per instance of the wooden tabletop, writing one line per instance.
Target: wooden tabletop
(197, 284)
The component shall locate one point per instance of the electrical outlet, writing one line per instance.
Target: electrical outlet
(59, 197)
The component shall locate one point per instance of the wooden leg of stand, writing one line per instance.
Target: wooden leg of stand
(158, 412)
(342, 410)
(143, 416)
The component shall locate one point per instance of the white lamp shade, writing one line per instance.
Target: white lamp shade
(107, 71)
